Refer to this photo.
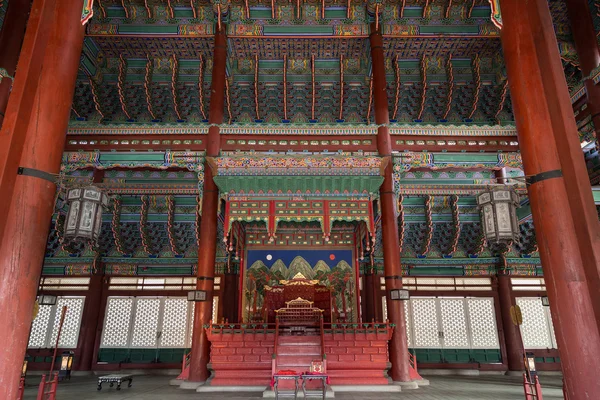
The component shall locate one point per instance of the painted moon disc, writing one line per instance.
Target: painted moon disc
(269, 257)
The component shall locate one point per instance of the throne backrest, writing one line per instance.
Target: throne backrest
(299, 303)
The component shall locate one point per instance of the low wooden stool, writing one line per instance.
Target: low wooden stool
(112, 379)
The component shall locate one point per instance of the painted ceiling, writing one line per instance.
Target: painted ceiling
(150, 61)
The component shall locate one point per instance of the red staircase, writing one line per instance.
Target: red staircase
(295, 353)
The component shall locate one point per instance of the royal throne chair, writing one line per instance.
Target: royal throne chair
(278, 296)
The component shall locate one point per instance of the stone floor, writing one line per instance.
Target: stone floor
(441, 388)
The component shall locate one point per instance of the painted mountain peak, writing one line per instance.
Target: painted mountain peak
(299, 264)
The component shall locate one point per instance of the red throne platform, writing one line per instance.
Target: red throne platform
(245, 355)
(277, 296)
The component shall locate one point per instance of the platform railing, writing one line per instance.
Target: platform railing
(322, 333)
(379, 328)
(274, 359)
(252, 328)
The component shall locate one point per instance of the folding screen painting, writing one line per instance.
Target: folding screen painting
(331, 268)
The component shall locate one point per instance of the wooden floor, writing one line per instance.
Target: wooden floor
(441, 388)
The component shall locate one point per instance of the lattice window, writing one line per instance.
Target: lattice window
(535, 329)
(425, 322)
(447, 284)
(482, 323)
(145, 326)
(407, 318)
(215, 309)
(551, 326)
(190, 327)
(175, 322)
(454, 324)
(44, 328)
(521, 284)
(117, 322)
(384, 308)
(144, 322)
(64, 283)
(70, 330)
(39, 328)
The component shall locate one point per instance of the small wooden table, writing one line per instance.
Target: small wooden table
(320, 391)
(285, 392)
(112, 379)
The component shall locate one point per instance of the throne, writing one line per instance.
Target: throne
(288, 292)
(299, 313)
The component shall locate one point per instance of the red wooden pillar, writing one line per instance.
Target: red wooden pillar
(27, 222)
(559, 193)
(208, 227)
(11, 38)
(368, 312)
(584, 34)
(512, 335)
(91, 326)
(389, 218)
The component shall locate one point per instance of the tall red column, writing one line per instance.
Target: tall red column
(27, 222)
(389, 218)
(584, 34)
(512, 335)
(559, 190)
(208, 227)
(90, 324)
(11, 38)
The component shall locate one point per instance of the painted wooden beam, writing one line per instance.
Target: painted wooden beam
(450, 77)
(174, 97)
(147, 86)
(502, 100)
(285, 113)
(256, 105)
(120, 82)
(398, 87)
(477, 77)
(314, 92)
(341, 87)
(201, 86)
(424, 90)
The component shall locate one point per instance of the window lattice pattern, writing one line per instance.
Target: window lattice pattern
(39, 328)
(175, 322)
(408, 324)
(70, 330)
(425, 323)
(534, 329)
(551, 325)
(190, 327)
(118, 320)
(215, 309)
(454, 324)
(482, 319)
(145, 327)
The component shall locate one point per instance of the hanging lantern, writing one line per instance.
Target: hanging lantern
(84, 219)
(498, 213)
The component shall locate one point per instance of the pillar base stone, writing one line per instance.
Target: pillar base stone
(514, 373)
(407, 385)
(190, 385)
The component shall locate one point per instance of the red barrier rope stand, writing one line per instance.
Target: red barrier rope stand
(533, 390)
(47, 390)
(21, 389)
